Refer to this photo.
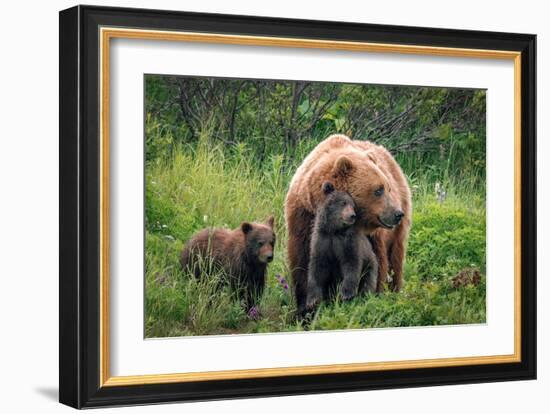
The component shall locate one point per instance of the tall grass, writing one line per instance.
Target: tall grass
(207, 185)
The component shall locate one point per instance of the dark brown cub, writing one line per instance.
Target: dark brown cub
(242, 254)
(340, 252)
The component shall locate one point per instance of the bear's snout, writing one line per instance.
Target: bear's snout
(391, 218)
(398, 216)
(265, 255)
(348, 215)
(350, 218)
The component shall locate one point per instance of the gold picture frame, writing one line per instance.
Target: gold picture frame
(516, 49)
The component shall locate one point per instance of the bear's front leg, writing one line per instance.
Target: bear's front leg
(351, 274)
(299, 228)
(397, 254)
(318, 276)
(254, 289)
(381, 252)
(369, 274)
(371, 278)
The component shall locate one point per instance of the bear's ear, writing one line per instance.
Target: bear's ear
(270, 221)
(371, 156)
(343, 165)
(327, 187)
(246, 227)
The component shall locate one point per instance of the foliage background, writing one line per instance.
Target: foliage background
(221, 151)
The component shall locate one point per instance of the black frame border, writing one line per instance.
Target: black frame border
(79, 288)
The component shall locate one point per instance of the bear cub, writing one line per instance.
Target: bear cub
(242, 254)
(339, 252)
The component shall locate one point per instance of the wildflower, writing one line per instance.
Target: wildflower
(253, 313)
(440, 192)
(282, 281)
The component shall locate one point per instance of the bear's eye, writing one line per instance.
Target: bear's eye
(260, 243)
(379, 192)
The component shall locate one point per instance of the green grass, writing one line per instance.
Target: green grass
(210, 186)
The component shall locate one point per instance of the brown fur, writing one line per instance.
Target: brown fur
(242, 253)
(360, 168)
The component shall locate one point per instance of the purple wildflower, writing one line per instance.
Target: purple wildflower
(253, 313)
(282, 281)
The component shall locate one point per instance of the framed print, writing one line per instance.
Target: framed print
(254, 206)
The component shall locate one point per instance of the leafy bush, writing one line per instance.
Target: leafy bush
(447, 238)
(439, 127)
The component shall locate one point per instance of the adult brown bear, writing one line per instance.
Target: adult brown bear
(375, 181)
